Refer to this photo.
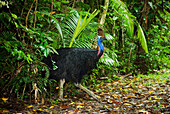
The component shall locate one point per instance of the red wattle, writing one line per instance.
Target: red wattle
(99, 52)
(102, 55)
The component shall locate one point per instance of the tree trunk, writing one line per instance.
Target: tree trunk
(103, 16)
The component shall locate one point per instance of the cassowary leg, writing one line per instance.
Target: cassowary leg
(62, 81)
(87, 91)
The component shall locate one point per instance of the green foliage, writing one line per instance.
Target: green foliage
(32, 29)
(142, 39)
(77, 26)
(131, 20)
(110, 57)
(158, 57)
(126, 17)
(37, 33)
(24, 42)
(84, 23)
(128, 21)
(161, 76)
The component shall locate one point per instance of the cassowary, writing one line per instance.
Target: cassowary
(73, 63)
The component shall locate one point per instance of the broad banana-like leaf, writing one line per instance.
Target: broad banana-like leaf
(142, 39)
(122, 11)
(128, 20)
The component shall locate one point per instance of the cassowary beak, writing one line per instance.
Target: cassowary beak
(103, 38)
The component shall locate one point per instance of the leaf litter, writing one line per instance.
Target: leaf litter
(129, 95)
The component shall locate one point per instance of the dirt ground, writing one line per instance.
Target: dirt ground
(129, 95)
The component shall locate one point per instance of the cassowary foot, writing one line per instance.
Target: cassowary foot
(88, 91)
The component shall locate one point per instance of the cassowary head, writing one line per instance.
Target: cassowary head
(100, 38)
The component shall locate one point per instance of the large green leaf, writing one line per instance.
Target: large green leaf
(128, 21)
(142, 39)
(124, 14)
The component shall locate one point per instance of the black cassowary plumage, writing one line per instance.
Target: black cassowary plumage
(73, 63)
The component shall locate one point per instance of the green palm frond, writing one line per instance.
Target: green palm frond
(83, 44)
(109, 37)
(110, 58)
(81, 25)
(74, 26)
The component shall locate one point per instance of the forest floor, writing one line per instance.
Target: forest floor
(143, 94)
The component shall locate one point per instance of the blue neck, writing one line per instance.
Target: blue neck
(99, 41)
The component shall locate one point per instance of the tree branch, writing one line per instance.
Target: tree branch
(28, 13)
